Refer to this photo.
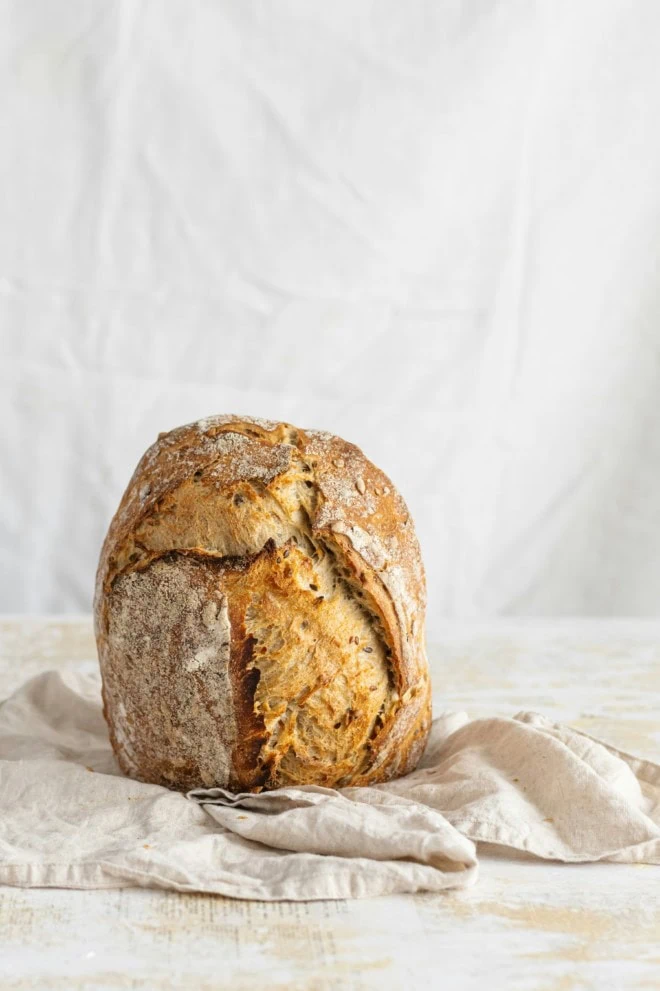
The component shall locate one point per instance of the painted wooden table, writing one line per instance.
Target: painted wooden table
(526, 924)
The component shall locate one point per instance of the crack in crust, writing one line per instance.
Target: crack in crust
(313, 554)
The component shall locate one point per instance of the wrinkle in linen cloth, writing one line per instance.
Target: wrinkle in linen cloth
(69, 818)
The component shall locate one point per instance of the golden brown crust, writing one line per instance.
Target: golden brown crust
(299, 553)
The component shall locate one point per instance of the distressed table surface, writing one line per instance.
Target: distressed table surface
(526, 924)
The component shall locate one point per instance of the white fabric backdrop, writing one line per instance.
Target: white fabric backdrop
(432, 227)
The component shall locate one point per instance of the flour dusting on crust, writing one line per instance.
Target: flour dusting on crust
(171, 628)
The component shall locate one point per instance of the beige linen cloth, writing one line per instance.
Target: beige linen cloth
(69, 818)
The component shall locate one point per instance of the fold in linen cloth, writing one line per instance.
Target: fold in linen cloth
(69, 818)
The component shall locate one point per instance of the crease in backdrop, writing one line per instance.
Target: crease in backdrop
(432, 229)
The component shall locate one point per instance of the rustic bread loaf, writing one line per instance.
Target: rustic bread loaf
(259, 613)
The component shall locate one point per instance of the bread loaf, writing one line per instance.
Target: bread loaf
(259, 613)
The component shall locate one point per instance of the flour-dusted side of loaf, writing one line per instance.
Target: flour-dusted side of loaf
(259, 613)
